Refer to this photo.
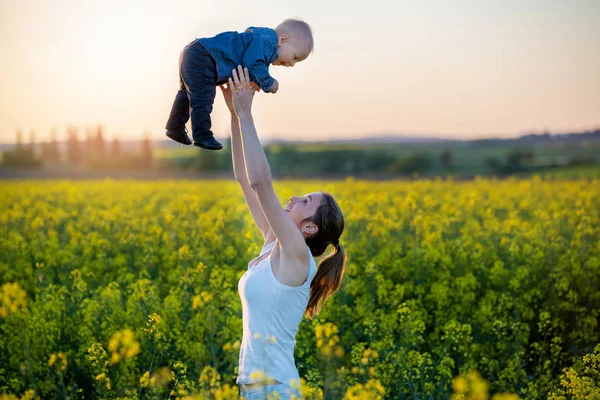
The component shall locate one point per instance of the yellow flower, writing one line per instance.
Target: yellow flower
(152, 325)
(97, 355)
(201, 300)
(28, 395)
(209, 377)
(226, 392)
(123, 344)
(63, 361)
(103, 379)
(258, 375)
(52, 360)
(372, 390)
(470, 386)
(327, 339)
(145, 379)
(160, 377)
(460, 385)
(326, 351)
(12, 299)
(61, 358)
(505, 396)
(319, 329)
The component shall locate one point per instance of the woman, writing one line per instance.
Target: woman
(283, 283)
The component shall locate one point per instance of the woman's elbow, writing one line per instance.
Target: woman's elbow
(260, 179)
(260, 182)
(256, 184)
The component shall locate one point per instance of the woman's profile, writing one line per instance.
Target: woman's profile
(283, 283)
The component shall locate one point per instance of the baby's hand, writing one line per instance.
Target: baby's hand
(274, 87)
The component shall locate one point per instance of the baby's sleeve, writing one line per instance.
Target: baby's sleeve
(257, 59)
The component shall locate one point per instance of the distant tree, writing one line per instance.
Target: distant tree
(446, 158)
(87, 146)
(32, 140)
(49, 151)
(21, 156)
(54, 146)
(146, 153)
(73, 146)
(516, 160)
(419, 162)
(116, 148)
(494, 165)
(581, 160)
(19, 139)
(99, 146)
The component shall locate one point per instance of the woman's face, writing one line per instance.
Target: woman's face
(301, 208)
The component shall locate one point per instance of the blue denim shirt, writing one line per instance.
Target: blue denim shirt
(256, 49)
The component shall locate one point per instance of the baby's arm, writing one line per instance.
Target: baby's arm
(255, 59)
(275, 86)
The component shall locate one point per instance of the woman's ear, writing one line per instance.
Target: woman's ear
(282, 39)
(310, 228)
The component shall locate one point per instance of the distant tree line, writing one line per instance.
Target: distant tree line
(515, 161)
(297, 161)
(286, 160)
(94, 152)
(541, 137)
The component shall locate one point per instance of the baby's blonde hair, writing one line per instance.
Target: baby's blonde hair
(293, 25)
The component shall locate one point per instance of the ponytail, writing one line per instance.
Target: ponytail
(327, 280)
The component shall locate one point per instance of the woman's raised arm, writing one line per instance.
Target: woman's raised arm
(239, 170)
(258, 171)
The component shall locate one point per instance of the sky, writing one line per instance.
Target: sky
(462, 69)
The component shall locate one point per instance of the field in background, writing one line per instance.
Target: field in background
(459, 159)
(127, 289)
(378, 158)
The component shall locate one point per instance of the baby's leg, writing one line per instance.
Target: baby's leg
(180, 111)
(200, 78)
(202, 98)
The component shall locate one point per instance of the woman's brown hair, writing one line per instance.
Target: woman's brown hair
(330, 221)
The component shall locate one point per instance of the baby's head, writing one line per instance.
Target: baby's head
(295, 41)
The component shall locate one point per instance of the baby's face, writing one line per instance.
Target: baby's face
(291, 50)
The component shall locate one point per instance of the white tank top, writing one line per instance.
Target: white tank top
(272, 312)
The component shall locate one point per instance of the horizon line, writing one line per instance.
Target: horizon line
(365, 136)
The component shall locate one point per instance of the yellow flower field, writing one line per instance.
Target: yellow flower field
(463, 290)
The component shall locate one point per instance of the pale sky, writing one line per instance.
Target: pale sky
(432, 68)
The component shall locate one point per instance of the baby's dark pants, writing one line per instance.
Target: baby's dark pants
(198, 79)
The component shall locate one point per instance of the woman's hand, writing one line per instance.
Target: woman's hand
(244, 92)
(226, 90)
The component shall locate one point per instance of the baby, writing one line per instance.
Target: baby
(206, 63)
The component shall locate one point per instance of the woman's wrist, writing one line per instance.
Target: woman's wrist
(244, 117)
